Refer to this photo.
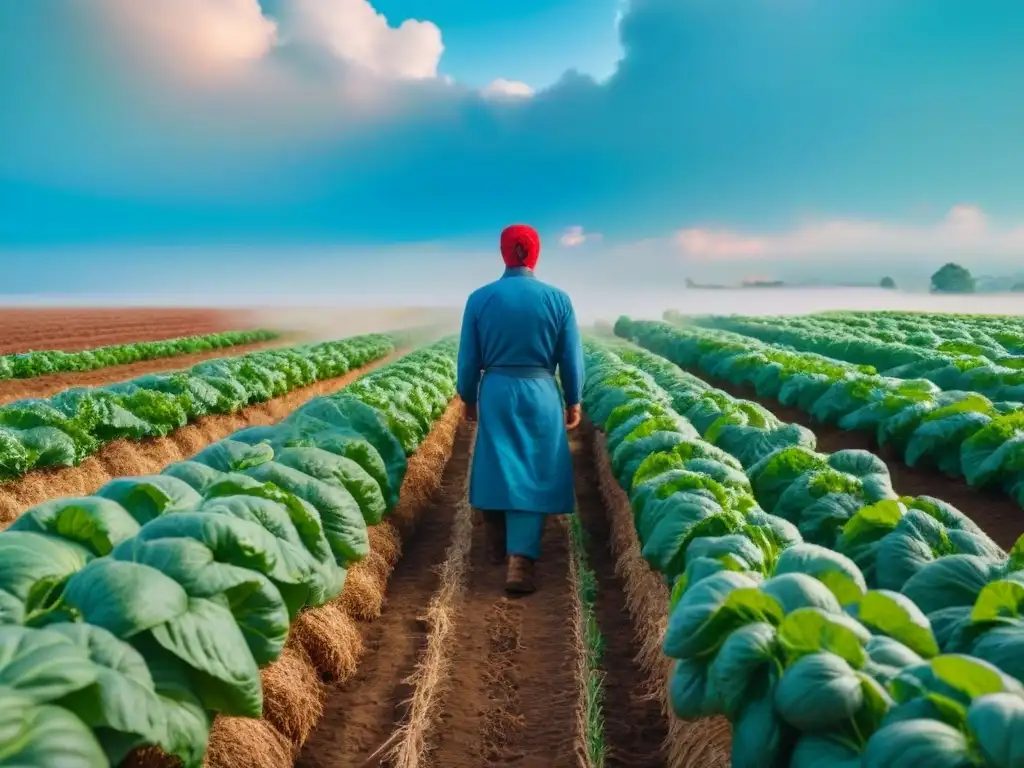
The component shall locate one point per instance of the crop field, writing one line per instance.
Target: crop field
(794, 544)
(75, 329)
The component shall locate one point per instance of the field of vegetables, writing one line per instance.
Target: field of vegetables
(795, 544)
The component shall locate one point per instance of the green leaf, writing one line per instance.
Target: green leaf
(41, 665)
(818, 692)
(893, 615)
(1017, 555)
(33, 736)
(187, 722)
(969, 676)
(243, 542)
(999, 600)
(874, 520)
(125, 598)
(304, 516)
(146, 498)
(996, 722)
(123, 698)
(256, 604)
(751, 604)
(875, 707)
(207, 638)
(29, 558)
(846, 590)
(810, 630)
(678, 590)
(95, 523)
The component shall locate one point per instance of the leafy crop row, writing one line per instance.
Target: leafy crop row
(978, 363)
(27, 365)
(963, 434)
(771, 624)
(134, 616)
(62, 430)
(996, 338)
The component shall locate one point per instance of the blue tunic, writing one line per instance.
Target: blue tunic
(522, 460)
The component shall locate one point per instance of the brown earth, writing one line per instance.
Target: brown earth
(513, 688)
(123, 458)
(635, 729)
(325, 644)
(996, 513)
(360, 715)
(703, 743)
(44, 386)
(76, 328)
(510, 696)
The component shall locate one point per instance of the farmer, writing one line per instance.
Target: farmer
(515, 331)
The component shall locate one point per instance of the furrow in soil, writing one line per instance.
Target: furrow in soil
(512, 697)
(995, 512)
(361, 714)
(634, 725)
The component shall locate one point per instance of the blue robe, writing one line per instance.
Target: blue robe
(515, 331)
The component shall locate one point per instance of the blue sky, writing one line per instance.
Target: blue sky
(533, 41)
(713, 138)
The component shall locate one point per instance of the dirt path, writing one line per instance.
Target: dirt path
(635, 729)
(44, 386)
(997, 514)
(510, 696)
(361, 714)
(127, 457)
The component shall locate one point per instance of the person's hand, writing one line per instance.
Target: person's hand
(573, 415)
(469, 411)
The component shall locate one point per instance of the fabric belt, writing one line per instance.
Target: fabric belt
(521, 371)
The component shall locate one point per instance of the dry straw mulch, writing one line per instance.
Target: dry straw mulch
(408, 746)
(704, 743)
(324, 645)
(328, 637)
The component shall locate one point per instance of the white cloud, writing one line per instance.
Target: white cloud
(965, 229)
(354, 31)
(502, 88)
(715, 244)
(195, 34)
(575, 236)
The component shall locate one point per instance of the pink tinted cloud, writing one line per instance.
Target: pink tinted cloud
(576, 236)
(964, 229)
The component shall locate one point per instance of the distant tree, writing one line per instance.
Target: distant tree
(952, 278)
(887, 282)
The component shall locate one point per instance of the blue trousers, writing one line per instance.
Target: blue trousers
(523, 533)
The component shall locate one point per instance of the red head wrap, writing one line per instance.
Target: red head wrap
(520, 246)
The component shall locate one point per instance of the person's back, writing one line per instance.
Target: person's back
(515, 332)
(519, 322)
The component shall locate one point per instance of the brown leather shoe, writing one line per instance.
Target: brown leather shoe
(495, 525)
(520, 579)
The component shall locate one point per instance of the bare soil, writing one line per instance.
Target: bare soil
(510, 699)
(361, 714)
(702, 743)
(513, 688)
(635, 729)
(75, 328)
(995, 512)
(45, 386)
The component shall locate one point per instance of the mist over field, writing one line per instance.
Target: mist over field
(324, 317)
